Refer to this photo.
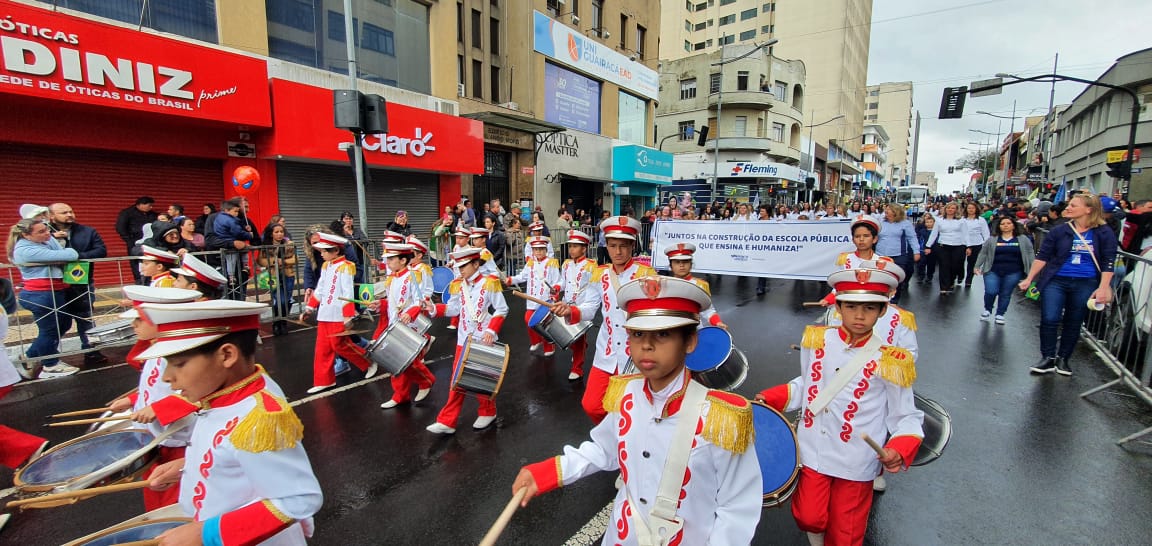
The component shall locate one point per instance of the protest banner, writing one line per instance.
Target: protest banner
(802, 250)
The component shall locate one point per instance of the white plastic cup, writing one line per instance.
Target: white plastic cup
(1094, 306)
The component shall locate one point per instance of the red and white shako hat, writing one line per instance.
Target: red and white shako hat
(393, 237)
(417, 244)
(865, 220)
(466, 255)
(462, 231)
(157, 255)
(578, 237)
(886, 265)
(538, 242)
(397, 249)
(184, 326)
(536, 226)
(194, 267)
(330, 240)
(864, 285)
(680, 251)
(660, 303)
(620, 227)
(479, 233)
(148, 294)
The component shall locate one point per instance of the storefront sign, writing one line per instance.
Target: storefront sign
(782, 250)
(505, 137)
(417, 139)
(571, 99)
(763, 170)
(642, 164)
(1117, 156)
(528, 170)
(563, 144)
(54, 56)
(574, 49)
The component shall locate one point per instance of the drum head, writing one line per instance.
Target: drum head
(441, 278)
(81, 457)
(135, 532)
(777, 451)
(937, 430)
(538, 316)
(713, 346)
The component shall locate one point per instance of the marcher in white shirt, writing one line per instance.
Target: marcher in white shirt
(949, 241)
(976, 232)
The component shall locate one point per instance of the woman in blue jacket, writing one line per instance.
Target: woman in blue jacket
(1074, 265)
(32, 248)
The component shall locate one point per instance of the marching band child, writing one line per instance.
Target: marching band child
(575, 274)
(536, 229)
(865, 232)
(245, 478)
(461, 235)
(402, 297)
(16, 447)
(194, 274)
(422, 270)
(333, 312)
(478, 239)
(680, 263)
(154, 402)
(542, 273)
(157, 264)
(473, 293)
(851, 385)
(621, 233)
(689, 472)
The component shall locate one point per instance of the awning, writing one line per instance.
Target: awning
(515, 122)
(587, 178)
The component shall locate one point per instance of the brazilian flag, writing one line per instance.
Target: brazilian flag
(1032, 293)
(365, 292)
(77, 272)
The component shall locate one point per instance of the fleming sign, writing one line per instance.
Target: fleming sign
(55, 56)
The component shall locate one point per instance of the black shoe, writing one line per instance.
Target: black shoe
(1062, 367)
(94, 358)
(1046, 365)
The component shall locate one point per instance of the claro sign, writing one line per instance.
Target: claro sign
(56, 56)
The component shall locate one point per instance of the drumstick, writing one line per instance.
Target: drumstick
(360, 302)
(505, 516)
(519, 294)
(813, 304)
(93, 411)
(875, 446)
(89, 421)
(79, 493)
(148, 542)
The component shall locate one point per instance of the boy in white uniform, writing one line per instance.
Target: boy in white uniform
(576, 273)
(542, 273)
(402, 297)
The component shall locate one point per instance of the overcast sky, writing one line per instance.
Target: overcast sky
(945, 43)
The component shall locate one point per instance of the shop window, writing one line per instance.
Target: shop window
(688, 89)
(379, 40)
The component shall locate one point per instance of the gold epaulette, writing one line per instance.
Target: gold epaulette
(417, 276)
(813, 337)
(270, 426)
(908, 319)
(729, 422)
(842, 259)
(897, 366)
(644, 271)
(703, 284)
(348, 267)
(454, 286)
(492, 283)
(589, 266)
(616, 387)
(486, 254)
(553, 262)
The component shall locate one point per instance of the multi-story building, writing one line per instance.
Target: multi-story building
(928, 178)
(753, 107)
(1097, 124)
(889, 105)
(874, 150)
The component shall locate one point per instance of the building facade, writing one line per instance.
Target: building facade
(874, 155)
(889, 105)
(928, 178)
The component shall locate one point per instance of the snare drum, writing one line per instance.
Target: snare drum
(715, 363)
(555, 329)
(130, 532)
(441, 278)
(481, 368)
(109, 425)
(397, 348)
(421, 324)
(100, 458)
(778, 453)
(937, 430)
(120, 330)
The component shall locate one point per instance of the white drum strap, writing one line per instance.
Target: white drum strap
(845, 375)
(663, 524)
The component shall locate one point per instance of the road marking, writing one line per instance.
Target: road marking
(81, 372)
(351, 386)
(593, 531)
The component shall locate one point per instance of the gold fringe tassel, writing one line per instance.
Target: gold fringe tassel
(615, 392)
(908, 319)
(493, 284)
(454, 287)
(897, 366)
(729, 426)
(270, 426)
(813, 337)
(842, 259)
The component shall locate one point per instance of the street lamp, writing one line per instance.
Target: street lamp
(720, 107)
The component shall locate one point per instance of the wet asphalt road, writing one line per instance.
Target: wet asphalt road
(1029, 462)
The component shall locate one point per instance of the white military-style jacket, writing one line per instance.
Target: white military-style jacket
(470, 299)
(897, 326)
(336, 281)
(575, 275)
(612, 341)
(542, 279)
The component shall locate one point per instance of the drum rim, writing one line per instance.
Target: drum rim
(543, 320)
(946, 420)
(795, 471)
(450, 272)
(583, 327)
(124, 526)
(17, 477)
(731, 346)
(737, 383)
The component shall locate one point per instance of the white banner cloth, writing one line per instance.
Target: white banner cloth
(782, 250)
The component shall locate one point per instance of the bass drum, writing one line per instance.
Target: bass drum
(778, 453)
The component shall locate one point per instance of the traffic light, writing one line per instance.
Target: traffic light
(952, 103)
(1119, 170)
(703, 136)
(810, 182)
(951, 170)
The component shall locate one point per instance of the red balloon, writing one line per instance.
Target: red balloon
(245, 179)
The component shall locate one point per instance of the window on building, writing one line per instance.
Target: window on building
(741, 126)
(688, 25)
(688, 6)
(873, 105)
(598, 16)
(729, 39)
(769, 7)
(494, 36)
(766, 29)
(495, 3)
(687, 45)
(874, 93)
(623, 31)
(747, 35)
(702, 6)
(297, 14)
(778, 132)
(575, 7)
(633, 125)
(709, 42)
(495, 84)
(748, 14)
(742, 80)
(685, 129)
(688, 89)
(780, 91)
(712, 128)
(760, 127)
(701, 26)
(460, 23)
(460, 70)
(728, 19)
(378, 39)
(477, 35)
(714, 83)
(554, 7)
(699, 46)
(727, 2)
(477, 79)
(641, 37)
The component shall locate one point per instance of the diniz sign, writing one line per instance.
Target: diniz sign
(418, 145)
(50, 55)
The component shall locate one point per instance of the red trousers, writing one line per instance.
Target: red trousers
(451, 412)
(417, 373)
(533, 336)
(834, 506)
(16, 446)
(594, 390)
(579, 349)
(328, 346)
(167, 497)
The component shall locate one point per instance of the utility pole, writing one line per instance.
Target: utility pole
(357, 142)
(1049, 120)
(915, 149)
(1011, 129)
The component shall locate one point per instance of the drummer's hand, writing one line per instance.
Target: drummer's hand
(488, 338)
(374, 306)
(145, 415)
(525, 479)
(189, 534)
(120, 404)
(561, 310)
(891, 460)
(405, 318)
(166, 475)
(722, 325)
(429, 307)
